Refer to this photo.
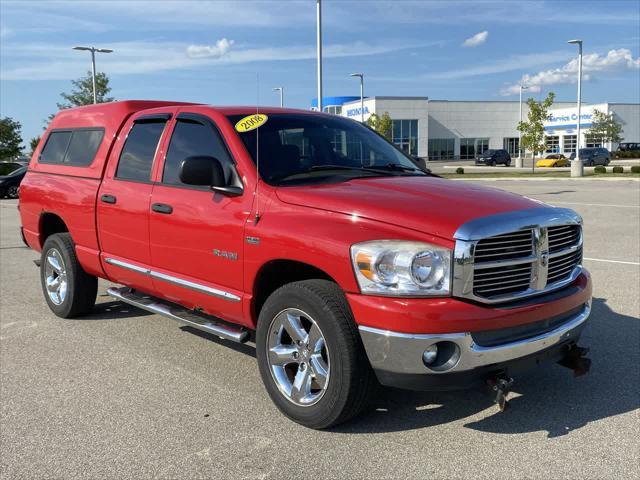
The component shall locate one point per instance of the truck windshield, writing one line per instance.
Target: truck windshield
(302, 148)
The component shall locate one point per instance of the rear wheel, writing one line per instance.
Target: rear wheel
(310, 355)
(68, 289)
(507, 163)
(12, 192)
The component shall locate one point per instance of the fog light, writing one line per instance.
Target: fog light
(430, 354)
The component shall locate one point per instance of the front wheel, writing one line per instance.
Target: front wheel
(12, 192)
(507, 163)
(68, 289)
(311, 359)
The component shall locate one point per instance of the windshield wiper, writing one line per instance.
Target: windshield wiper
(319, 168)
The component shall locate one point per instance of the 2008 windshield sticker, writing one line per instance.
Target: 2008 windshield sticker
(251, 122)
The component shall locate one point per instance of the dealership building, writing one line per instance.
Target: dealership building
(451, 130)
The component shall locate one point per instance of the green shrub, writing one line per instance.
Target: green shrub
(635, 169)
(618, 169)
(460, 171)
(599, 169)
(626, 154)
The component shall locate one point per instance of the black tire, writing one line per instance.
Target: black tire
(81, 290)
(507, 163)
(351, 380)
(12, 192)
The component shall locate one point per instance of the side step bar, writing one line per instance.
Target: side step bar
(182, 315)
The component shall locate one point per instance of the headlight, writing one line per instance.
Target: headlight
(402, 268)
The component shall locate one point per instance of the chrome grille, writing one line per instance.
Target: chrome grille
(518, 254)
(563, 236)
(561, 266)
(509, 245)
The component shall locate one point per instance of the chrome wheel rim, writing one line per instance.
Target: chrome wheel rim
(55, 277)
(298, 357)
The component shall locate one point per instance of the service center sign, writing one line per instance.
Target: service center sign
(567, 118)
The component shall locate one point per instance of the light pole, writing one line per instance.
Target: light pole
(281, 90)
(577, 168)
(93, 51)
(519, 160)
(361, 75)
(319, 51)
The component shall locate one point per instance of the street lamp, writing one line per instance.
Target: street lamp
(281, 90)
(93, 51)
(319, 51)
(519, 159)
(361, 75)
(577, 169)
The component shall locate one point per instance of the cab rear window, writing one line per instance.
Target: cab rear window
(74, 147)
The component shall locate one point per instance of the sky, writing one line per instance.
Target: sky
(231, 53)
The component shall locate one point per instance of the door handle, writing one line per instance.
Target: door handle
(108, 199)
(162, 208)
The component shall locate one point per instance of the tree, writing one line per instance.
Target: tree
(383, 125)
(82, 92)
(33, 143)
(10, 138)
(604, 128)
(533, 129)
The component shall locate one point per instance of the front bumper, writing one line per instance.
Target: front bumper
(488, 339)
(397, 357)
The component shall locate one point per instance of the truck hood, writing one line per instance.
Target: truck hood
(427, 204)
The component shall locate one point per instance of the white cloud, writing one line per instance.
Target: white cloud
(593, 64)
(477, 39)
(38, 61)
(218, 50)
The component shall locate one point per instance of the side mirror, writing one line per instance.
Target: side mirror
(202, 170)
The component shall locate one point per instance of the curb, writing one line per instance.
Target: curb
(548, 179)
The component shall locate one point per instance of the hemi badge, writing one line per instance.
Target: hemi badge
(253, 240)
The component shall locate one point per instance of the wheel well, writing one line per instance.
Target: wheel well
(277, 273)
(51, 223)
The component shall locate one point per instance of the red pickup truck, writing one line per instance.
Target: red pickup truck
(347, 263)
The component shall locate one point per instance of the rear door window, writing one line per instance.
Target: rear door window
(136, 158)
(56, 147)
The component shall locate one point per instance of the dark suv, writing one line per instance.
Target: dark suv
(593, 156)
(493, 157)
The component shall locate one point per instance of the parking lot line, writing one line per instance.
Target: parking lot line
(610, 261)
(597, 204)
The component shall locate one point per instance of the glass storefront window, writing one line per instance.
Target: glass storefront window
(471, 147)
(569, 144)
(594, 142)
(405, 135)
(441, 148)
(511, 144)
(552, 144)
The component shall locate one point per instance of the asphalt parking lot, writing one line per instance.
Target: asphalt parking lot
(125, 394)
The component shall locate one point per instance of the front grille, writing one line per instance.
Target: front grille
(561, 266)
(502, 280)
(509, 245)
(562, 237)
(523, 262)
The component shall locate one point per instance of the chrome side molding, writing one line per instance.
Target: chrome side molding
(215, 292)
(182, 315)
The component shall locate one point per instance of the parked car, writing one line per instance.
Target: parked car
(629, 147)
(312, 235)
(593, 156)
(553, 160)
(7, 167)
(494, 157)
(10, 184)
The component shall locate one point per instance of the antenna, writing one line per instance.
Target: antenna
(255, 191)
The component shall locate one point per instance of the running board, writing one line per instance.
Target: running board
(182, 315)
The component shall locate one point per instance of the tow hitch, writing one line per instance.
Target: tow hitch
(500, 386)
(575, 360)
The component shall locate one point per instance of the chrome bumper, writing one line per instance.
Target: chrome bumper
(401, 353)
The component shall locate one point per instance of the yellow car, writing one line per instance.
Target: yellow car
(553, 160)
